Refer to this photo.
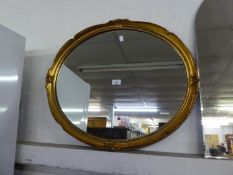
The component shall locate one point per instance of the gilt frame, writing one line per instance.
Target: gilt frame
(120, 24)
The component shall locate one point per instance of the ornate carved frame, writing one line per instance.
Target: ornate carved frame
(108, 144)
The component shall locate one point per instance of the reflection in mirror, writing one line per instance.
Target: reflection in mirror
(121, 84)
(215, 49)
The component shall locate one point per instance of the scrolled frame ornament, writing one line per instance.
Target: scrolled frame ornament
(110, 144)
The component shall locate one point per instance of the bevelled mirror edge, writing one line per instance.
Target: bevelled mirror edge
(109, 144)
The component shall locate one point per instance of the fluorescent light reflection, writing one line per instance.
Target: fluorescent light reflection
(136, 110)
(164, 113)
(84, 120)
(79, 110)
(72, 110)
(226, 108)
(94, 110)
(2, 109)
(76, 122)
(216, 122)
(8, 78)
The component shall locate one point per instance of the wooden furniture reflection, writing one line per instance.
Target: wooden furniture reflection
(229, 140)
(96, 122)
(212, 140)
(97, 126)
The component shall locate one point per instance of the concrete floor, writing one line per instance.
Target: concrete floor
(45, 170)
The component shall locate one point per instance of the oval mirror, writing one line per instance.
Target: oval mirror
(122, 85)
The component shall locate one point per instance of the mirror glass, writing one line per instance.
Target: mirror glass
(121, 84)
(215, 49)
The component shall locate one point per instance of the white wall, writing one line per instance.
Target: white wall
(48, 24)
(12, 47)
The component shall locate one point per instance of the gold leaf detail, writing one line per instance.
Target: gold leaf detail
(49, 78)
(108, 145)
(194, 80)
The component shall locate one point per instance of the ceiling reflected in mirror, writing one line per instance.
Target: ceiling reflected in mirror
(121, 84)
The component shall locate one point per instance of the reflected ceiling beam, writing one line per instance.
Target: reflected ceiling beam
(214, 87)
(132, 66)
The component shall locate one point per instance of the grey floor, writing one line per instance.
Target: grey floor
(45, 170)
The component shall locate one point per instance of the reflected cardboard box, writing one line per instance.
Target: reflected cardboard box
(96, 122)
